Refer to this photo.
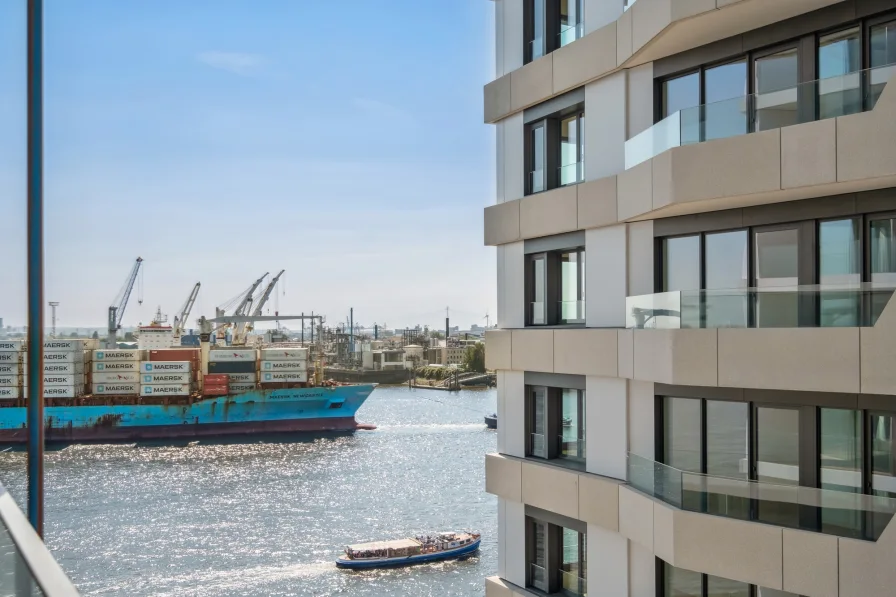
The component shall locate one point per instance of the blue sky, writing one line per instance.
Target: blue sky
(219, 139)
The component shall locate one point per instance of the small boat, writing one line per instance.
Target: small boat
(405, 552)
(491, 421)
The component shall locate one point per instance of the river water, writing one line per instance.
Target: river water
(268, 517)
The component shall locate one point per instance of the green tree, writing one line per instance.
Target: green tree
(129, 337)
(474, 358)
(96, 335)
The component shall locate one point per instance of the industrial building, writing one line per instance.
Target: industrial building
(695, 222)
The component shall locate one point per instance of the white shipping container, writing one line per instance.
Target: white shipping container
(242, 377)
(59, 391)
(165, 379)
(283, 366)
(182, 389)
(7, 381)
(12, 345)
(101, 366)
(116, 389)
(64, 368)
(11, 357)
(165, 366)
(284, 354)
(62, 380)
(240, 388)
(116, 378)
(118, 355)
(9, 393)
(11, 369)
(64, 345)
(58, 356)
(290, 376)
(232, 354)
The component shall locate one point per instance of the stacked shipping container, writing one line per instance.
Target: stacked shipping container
(239, 364)
(116, 372)
(169, 372)
(63, 370)
(279, 365)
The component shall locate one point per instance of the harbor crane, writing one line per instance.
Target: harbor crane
(245, 302)
(116, 311)
(243, 328)
(184, 314)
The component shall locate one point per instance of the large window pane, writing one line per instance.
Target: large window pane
(538, 425)
(883, 455)
(681, 434)
(725, 114)
(537, 181)
(571, 287)
(683, 95)
(838, 55)
(679, 582)
(777, 275)
(840, 264)
(537, 574)
(572, 569)
(883, 262)
(717, 586)
(883, 53)
(776, 82)
(681, 263)
(570, 21)
(778, 460)
(841, 465)
(538, 28)
(571, 143)
(572, 414)
(727, 441)
(727, 274)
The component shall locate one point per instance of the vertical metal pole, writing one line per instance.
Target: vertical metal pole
(35, 268)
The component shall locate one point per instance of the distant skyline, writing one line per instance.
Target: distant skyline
(222, 139)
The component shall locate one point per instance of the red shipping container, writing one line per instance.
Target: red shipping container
(174, 354)
(215, 390)
(217, 379)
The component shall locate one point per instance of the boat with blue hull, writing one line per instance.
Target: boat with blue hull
(287, 410)
(407, 552)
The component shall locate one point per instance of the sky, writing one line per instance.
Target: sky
(222, 139)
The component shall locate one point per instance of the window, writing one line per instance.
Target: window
(551, 24)
(775, 85)
(678, 582)
(556, 424)
(556, 287)
(839, 54)
(556, 557)
(883, 54)
(555, 149)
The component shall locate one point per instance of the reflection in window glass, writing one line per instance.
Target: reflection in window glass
(838, 55)
(570, 287)
(840, 264)
(538, 27)
(841, 465)
(570, 21)
(681, 434)
(717, 586)
(538, 426)
(572, 414)
(537, 574)
(778, 460)
(681, 263)
(683, 95)
(883, 262)
(573, 566)
(727, 275)
(727, 438)
(777, 275)
(883, 53)
(571, 149)
(539, 282)
(725, 113)
(538, 163)
(776, 82)
(679, 582)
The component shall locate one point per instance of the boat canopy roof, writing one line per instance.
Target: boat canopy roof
(377, 545)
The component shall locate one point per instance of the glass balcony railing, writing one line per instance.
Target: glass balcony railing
(572, 311)
(858, 305)
(537, 182)
(840, 513)
(537, 445)
(573, 583)
(806, 102)
(539, 317)
(571, 173)
(538, 577)
(536, 48)
(570, 33)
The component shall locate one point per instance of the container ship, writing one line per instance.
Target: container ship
(95, 395)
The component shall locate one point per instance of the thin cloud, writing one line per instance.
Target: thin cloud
(235, 62)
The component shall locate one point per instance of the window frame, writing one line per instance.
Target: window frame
(553, 282)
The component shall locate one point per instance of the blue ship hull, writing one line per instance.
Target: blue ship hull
(259, 411)
(448, 554)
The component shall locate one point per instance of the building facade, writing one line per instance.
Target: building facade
(695, 222)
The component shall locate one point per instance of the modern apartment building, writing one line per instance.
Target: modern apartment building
(695, 223)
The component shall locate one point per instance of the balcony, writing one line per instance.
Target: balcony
(807, 102)
(839, 513)
(859, 305)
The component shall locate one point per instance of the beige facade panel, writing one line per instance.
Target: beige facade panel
(681, 357)
(683, 9)
(636, 516)
(809, 154)
(648, 20)
(532, 83)
(503, 477)
(599, 501)
(498, 349)
(586, 352)
(865, 144)
(729, 548)
(625, 351)
(551, 212)
(502, 223)
(810, 563)
(588, 58)
(867, 568)
(878, 347)
(634, 191)
(664, 532)
(497, 99)
(596, 203)
(624, 37)
(807, 359)
(497, 587)
(551, 488)
(532, 350)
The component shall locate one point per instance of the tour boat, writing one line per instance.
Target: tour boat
(491, 421)
(404, 552)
